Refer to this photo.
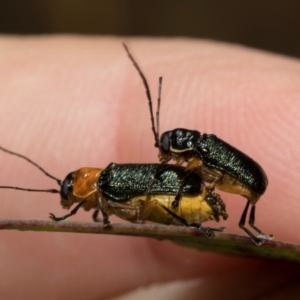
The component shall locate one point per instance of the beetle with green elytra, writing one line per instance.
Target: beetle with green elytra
(120, 189)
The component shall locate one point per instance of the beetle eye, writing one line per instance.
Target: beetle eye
(165, 143)
(66, 186)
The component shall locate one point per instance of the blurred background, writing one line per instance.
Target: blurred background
(269, 25)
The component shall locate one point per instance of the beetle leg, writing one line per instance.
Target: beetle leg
(252, 221)
(105, 221)
(95, 216)
(209, 232)
(72, 213)
(182, 184)
(149, 207)
(242, 222)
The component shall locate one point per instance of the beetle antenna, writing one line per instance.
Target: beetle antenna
(155, 132)
(31, 162)
(158, 106)
(53, 191)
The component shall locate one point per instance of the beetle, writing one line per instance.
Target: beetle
(215, 161)
(120, 189)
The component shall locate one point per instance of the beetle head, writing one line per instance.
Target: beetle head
(176, 143)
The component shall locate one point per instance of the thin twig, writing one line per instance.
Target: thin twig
(185, 236)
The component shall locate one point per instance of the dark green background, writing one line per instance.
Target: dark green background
(270, 25)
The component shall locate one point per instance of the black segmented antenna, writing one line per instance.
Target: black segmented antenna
(53, 191)
(155, 130)
(37, 166)
(158, 106)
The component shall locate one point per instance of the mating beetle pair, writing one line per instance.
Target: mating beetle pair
(208, 159)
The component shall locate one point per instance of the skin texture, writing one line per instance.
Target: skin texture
(69, 102)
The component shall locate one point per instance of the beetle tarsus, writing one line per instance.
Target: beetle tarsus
(52, 217)
(72, 213)
(209, 232)
(106, 223)
(251, 223)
